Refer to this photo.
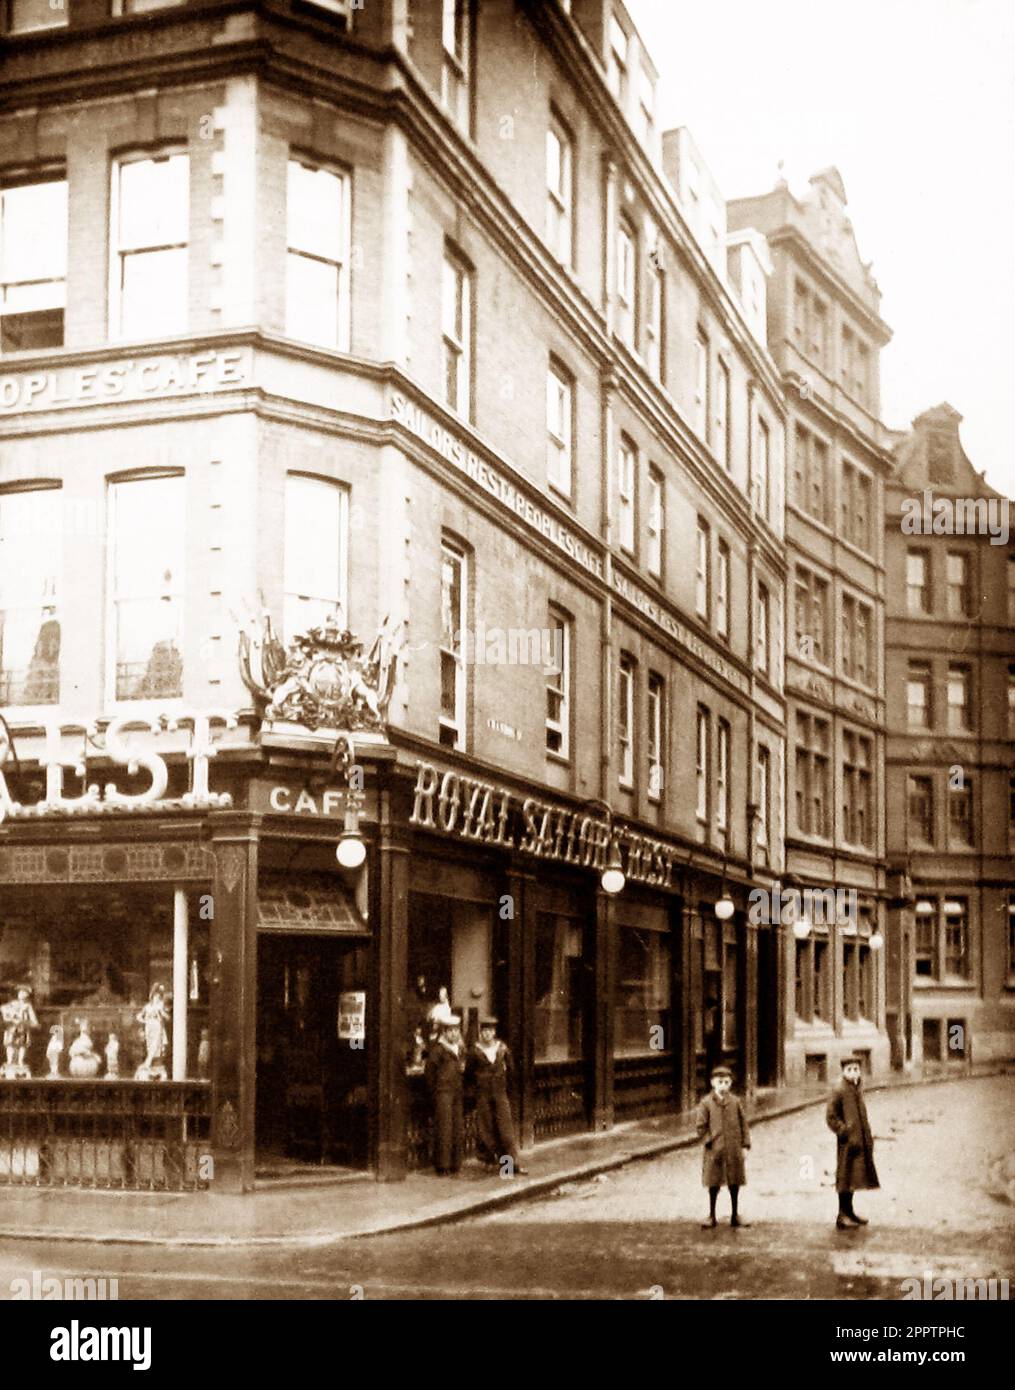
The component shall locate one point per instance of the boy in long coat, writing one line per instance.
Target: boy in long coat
(492, 1070)
(854, 1163)
(723, 1126)
(445, 1071)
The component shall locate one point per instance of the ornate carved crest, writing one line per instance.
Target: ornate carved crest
(323, 679)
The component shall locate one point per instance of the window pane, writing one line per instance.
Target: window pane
(154, 202)
(34, 237)
(311, 309)
(559, 976)
(147, 536)
(154, 293)
(314, 211)
(314, 552)
(30, 548)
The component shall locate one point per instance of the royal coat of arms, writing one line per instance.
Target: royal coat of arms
(322, 679)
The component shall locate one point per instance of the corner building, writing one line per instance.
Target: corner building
(382, 313)
(826, 333)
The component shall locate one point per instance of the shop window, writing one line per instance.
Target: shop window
(559, 993)
(150, 205)
(815, 1067)
(316, 553)
(449, 965)
(146, 531)
(730, 993)
(318, 233)
(31, 524)
(33, 264)
(642, 991)
(92, 958)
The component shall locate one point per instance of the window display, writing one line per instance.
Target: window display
(87, 977)
(643, 990)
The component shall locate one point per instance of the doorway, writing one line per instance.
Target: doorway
(312, 1099)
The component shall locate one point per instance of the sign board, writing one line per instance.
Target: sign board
(352, 1015)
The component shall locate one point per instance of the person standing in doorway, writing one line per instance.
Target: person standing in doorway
(723, 1126)
(492, 1070)
(445, 1072)
(854, 1161)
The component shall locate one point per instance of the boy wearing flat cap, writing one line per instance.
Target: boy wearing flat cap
(492, 1070)
(723, 1126)
(854, 1161)
(445, 1071)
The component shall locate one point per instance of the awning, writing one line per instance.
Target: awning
(307, 905)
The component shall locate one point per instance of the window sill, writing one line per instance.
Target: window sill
(562, 759)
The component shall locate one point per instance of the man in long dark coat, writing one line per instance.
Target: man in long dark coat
(723, 1126)
(854, 1164)
(492, 1070)
(445, 1072)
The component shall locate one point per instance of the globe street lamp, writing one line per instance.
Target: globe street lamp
(613, 878)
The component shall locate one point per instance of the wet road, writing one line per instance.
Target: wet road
(636, 1233)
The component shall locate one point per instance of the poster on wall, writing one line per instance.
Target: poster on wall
(352, 1015)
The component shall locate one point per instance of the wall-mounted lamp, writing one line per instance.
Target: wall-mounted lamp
(613, 878)
(725, 907)
(876, 941)
(350, 850)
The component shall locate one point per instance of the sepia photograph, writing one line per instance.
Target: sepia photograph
(507, 669)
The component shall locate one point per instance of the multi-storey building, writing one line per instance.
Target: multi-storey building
(367, 315)
(950, 658)
(825, 332)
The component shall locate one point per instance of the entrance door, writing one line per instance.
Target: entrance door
(311, 1101)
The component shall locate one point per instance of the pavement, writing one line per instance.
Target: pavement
(323, 1213)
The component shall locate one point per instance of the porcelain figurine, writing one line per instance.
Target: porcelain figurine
(84, 1060)
(20, 1019)
(153, 1018)
(54, 1049)
(113, 1056)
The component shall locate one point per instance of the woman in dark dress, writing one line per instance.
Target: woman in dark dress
(492, 1071)
(445, 1073)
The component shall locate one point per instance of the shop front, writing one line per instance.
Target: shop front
(104, 973)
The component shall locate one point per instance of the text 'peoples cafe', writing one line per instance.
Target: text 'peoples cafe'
(455, 804)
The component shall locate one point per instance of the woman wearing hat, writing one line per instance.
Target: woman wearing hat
(492, 1069)
(723, 1126)
(854, 1163)
(445, 1069)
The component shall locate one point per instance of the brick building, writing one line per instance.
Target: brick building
(825, 333)
(950, 674)
(385, 313)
